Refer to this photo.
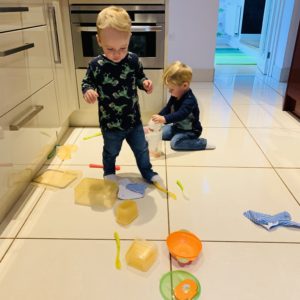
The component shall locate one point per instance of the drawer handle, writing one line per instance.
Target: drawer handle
(13, 9)
(31, 114)
(16, 50)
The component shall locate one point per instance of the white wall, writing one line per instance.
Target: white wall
(286, 41)
(192, 27)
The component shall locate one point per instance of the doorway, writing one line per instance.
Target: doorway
(239, 30)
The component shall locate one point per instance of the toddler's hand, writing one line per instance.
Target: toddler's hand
(158, 119)
(90, 96)
(148, 86)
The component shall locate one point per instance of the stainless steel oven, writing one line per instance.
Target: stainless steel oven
(148, 33)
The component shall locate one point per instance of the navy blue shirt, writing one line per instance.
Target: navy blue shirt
(184, 113)
(116, 85)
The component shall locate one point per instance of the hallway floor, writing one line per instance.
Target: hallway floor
(54, 249)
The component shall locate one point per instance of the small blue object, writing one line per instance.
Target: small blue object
(137, 187)
(269, 221)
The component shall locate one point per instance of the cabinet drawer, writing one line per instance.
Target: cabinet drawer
(24, 151)
(35, 14)
(16, 14)
(38, 57)
(10, 16)
(14, 83)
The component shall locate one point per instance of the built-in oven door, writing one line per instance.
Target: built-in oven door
(147, 39)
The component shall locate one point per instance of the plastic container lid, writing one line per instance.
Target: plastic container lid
(171, 281)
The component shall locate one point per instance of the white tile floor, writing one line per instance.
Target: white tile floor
(51, 248)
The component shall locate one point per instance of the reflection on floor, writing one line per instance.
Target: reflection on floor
(233, 56)
(51, 248)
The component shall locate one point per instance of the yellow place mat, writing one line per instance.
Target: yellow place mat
(56, 178)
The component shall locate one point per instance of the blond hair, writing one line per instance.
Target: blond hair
(177, 73)
(114, 17)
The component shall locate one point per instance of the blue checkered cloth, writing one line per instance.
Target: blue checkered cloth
(269, 221)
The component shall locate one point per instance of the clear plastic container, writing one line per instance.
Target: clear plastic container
(126, 212)
(96, 192)
(141, 255)
(154, 139)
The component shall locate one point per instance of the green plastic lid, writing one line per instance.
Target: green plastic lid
(172, 279)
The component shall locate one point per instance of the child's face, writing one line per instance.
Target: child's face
(114, 43)
(177, 90)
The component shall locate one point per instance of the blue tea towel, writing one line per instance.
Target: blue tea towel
(269, 221)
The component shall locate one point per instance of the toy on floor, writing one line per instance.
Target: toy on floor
(179, 285)
(118, 261)
(96, 166)
(64, 152)
(184, 246)
(126, 212)
(141, 255)
(159, 187)
(92, 136)
(180, 185)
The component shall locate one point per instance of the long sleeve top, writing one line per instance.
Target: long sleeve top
(183, 113)
(116, 85)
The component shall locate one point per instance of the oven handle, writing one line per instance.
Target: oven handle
(133, 28)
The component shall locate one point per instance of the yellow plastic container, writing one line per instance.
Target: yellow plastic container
(141, 255)
(126, 212)
(96, 192)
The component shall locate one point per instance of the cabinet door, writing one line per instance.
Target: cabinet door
(38, 57)
(64, 69)
(14, 84)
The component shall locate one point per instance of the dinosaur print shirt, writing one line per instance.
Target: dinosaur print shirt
(116, 85)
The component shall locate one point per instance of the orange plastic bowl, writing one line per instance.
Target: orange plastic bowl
(184, 246)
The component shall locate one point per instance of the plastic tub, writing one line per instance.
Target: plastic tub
(141, 255)
(126, 212)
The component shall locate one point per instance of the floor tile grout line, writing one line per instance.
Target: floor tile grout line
(255, 141)
(152, 240)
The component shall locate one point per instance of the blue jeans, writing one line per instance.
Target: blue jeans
(183, 140)
(135, 138)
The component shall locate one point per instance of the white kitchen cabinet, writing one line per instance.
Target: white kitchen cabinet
(39, 62)
(14, 83)
(27, 135)
(15, 14)
(150, 104)
(63, 58)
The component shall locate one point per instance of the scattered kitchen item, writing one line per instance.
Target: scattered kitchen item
(180, 185)
(64, 152)
(92, 136)
(141, 255)
(137, 187)
(126, 212)
(117, 168)
(159, 187)
(154, 139)
(269, 221)
(125, 193)
(118, 261)
(184, 246)
(96, 192)
(179, 285)
(56, 178)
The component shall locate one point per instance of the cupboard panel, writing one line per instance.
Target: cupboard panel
(14, 83)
